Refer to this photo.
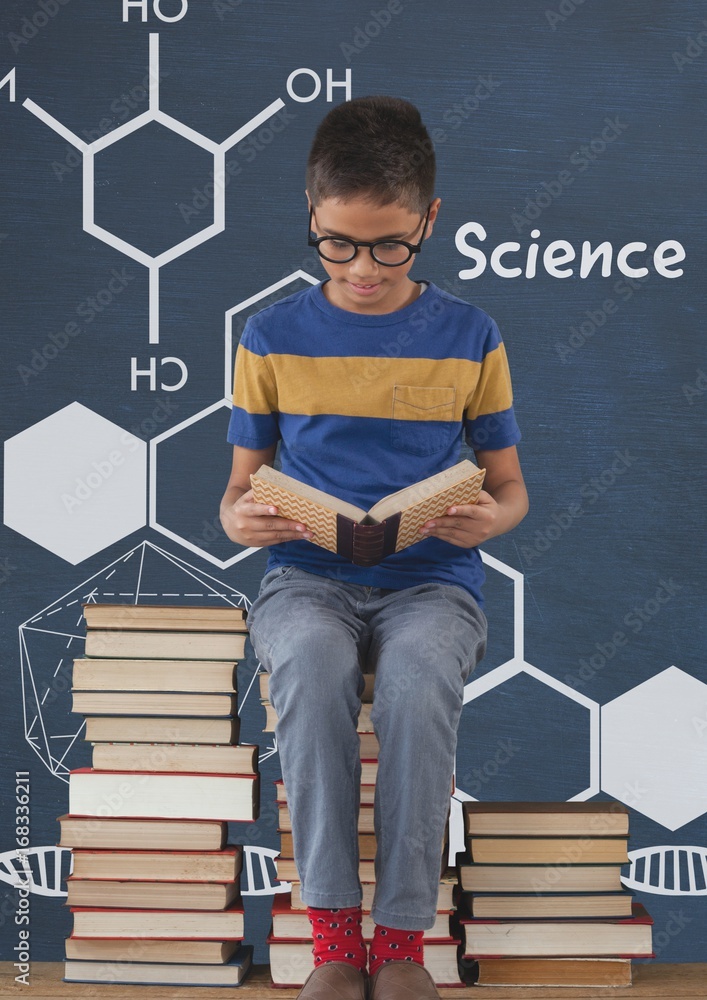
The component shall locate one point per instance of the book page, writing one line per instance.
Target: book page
(426, 489)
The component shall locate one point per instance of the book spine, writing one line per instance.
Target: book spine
(370, 543)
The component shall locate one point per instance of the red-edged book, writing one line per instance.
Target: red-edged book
(158, 924)
(164, 795)
(291, 961)
(127, 894)
(112, 834)
(625, 937)
(159, 866)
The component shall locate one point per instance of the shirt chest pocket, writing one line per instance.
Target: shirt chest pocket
(423, 418)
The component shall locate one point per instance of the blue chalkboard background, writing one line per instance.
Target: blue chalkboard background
(583, 120)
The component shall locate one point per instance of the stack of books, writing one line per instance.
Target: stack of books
(155, 889)
(540, 899)
(290, 938)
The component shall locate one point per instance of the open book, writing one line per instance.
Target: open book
(367, 537)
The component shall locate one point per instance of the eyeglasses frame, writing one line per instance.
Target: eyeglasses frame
(412, 248)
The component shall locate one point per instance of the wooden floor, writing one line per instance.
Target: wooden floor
(659, 982)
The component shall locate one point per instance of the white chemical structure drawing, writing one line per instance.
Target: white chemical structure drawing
(217, 149)
(52, 638)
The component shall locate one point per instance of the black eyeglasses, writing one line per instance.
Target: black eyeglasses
(389, 253)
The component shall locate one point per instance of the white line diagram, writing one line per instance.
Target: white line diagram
(673, 870)
(41, 870)
(52, 638)
(477, 687)
(676, 869)
(154, 114)
(295, 279)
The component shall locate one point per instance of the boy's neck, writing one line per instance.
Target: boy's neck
(387, 300)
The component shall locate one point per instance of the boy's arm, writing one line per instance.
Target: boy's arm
(245, 521)
(501, 505)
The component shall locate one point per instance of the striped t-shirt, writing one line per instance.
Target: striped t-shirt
(364, 405)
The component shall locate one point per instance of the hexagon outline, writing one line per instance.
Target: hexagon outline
(89, 149)
(196, 239)
(230, 313)
(499, 675)
(152, 515)
(518, 601)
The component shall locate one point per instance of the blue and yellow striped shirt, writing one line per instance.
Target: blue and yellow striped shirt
(365, 405)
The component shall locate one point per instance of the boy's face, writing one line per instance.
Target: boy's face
(363, 285)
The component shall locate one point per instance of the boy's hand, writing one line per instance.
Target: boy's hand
(257, 524)
(466, 525)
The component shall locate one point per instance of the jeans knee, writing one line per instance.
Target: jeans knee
(320, 667)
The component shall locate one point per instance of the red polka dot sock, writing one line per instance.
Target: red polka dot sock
(337, 936)
(390, 944)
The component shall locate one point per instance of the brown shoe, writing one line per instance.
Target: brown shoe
(403, 981)
(334, 981)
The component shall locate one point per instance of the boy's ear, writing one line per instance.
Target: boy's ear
(309, 200)
(434, 209)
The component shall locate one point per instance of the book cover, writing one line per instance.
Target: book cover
(554, 972)
(171, 617)
(229, 974)
(169, 924)
(627, 937)
(110, 833)
(166, 645)
(367, 537)
(535, 819)
(547, 850)
(154, 865)
(92, 673)
(150, 894)
(157, 795)
(176, 757)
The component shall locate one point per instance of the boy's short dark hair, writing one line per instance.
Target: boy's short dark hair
(374, 147)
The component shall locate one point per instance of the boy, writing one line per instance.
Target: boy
(368, 381)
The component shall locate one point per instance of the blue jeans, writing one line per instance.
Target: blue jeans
(316, 637)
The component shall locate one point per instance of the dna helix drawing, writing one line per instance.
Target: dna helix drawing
(666, 870)
(39, 869)
(42, 870)
(674, 870)
(669, 870)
